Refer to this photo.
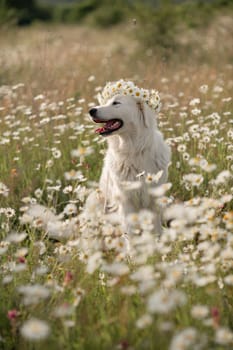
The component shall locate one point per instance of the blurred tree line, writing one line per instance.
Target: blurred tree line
(158, 21)
(106, 13)
(22, 12)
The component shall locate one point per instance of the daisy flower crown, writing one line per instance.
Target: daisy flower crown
(128, 88)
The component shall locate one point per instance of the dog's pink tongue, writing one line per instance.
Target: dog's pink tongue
(99, 130)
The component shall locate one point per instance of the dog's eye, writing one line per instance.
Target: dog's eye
(116, 103)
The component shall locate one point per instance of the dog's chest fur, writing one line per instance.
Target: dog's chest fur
(125, 166)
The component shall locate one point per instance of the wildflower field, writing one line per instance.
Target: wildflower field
(65, 285)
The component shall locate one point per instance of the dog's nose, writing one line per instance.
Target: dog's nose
(93, 111)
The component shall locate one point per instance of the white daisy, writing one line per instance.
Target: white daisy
(35, 330)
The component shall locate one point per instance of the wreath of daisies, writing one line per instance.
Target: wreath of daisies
(122, 87)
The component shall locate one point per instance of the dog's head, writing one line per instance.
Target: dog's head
(122, 115)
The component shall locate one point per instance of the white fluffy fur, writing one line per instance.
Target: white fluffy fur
(138, 146)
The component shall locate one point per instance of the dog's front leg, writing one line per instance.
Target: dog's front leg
(128, 205)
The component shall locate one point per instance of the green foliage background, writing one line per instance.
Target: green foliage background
(159, 23)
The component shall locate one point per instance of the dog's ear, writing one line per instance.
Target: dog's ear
(142, 112)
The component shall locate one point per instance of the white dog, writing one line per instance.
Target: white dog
(134, 146)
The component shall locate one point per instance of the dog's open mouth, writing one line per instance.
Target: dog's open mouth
(109, 126)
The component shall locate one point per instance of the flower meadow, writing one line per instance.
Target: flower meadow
(69, 279)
